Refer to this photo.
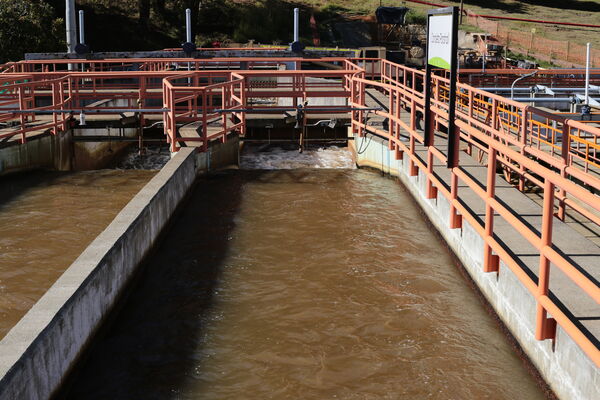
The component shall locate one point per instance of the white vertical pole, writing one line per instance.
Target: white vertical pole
(81, 28)
(587, 74)
(70, 25)
(188, 35)
(296, 24)
(188, 25)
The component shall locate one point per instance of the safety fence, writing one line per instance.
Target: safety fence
(166, 64)
(127, 86)
(508, 133)
(532, 43)
(215, 110)
(18, 92)
(571, 78)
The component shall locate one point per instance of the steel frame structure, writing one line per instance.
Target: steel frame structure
(559, 155)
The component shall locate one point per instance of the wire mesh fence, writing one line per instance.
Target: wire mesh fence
(532, 43)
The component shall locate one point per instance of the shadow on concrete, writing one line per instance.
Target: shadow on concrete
(148, 346)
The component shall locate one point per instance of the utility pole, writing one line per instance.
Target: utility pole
(70, 25)
(461, 12)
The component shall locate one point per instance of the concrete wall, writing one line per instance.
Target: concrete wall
(564, 366)
(96, 155)
(44, 151)
(61, 153)
(39, 351)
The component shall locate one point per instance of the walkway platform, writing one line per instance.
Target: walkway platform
(576, 239)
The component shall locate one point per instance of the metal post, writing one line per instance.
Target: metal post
(484, 53)
(296, 24)
(490, 260)
(188, 35)
(188, 25)
(453, 132)
(545, 327)
(70, 25)
(81, 28)
(587, 74)
(70, 28)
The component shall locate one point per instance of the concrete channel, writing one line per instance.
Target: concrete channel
(38, 352)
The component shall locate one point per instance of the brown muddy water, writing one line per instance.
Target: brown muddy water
(301, 284)
(46, 220)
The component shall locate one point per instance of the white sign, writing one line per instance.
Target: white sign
(439, 41)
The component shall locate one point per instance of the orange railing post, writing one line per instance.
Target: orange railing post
(490, 260)
(545, 328)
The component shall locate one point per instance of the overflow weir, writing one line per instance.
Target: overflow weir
(537, 265)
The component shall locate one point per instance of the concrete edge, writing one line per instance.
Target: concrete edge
(39, 351)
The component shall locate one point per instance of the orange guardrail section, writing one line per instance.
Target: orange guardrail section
(512, 135)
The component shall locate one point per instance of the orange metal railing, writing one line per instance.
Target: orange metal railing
(510, 135)
(559, 155)
(215, 107)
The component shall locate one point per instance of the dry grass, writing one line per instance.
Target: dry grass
(579, 11)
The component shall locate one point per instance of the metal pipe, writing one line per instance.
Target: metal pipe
(188, 25)
(70, 25)
(527, 89)
(587, 74)
(87, 111)
(512, 87)
(542, 99)
(81, 28)
(296, 24)
(306, 109)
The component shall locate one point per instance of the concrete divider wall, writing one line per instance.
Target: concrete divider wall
(564, 366)
(45, 151)
(37, 354)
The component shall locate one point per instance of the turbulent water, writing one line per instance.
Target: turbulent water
(48, 218)
(150, 159)
(301, 284)
(278, 158)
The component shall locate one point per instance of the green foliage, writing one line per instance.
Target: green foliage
(28, 26)
(414, 17)
(334, 8)
(266, 21)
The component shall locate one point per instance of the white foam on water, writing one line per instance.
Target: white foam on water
(152, 159)
(277, 158)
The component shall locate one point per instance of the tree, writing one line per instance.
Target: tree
(144, 11)
(28, 26)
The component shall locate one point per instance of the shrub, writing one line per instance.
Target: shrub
(28, 26)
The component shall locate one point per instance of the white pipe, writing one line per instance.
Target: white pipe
(296, 24)
(587, 74)
(188, 25)
(81, 28)
(512, 87)
(70, 25)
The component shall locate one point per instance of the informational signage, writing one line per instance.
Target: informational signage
(439, 41)
(442, 52)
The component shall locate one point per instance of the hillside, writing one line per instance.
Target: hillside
(37, 25)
